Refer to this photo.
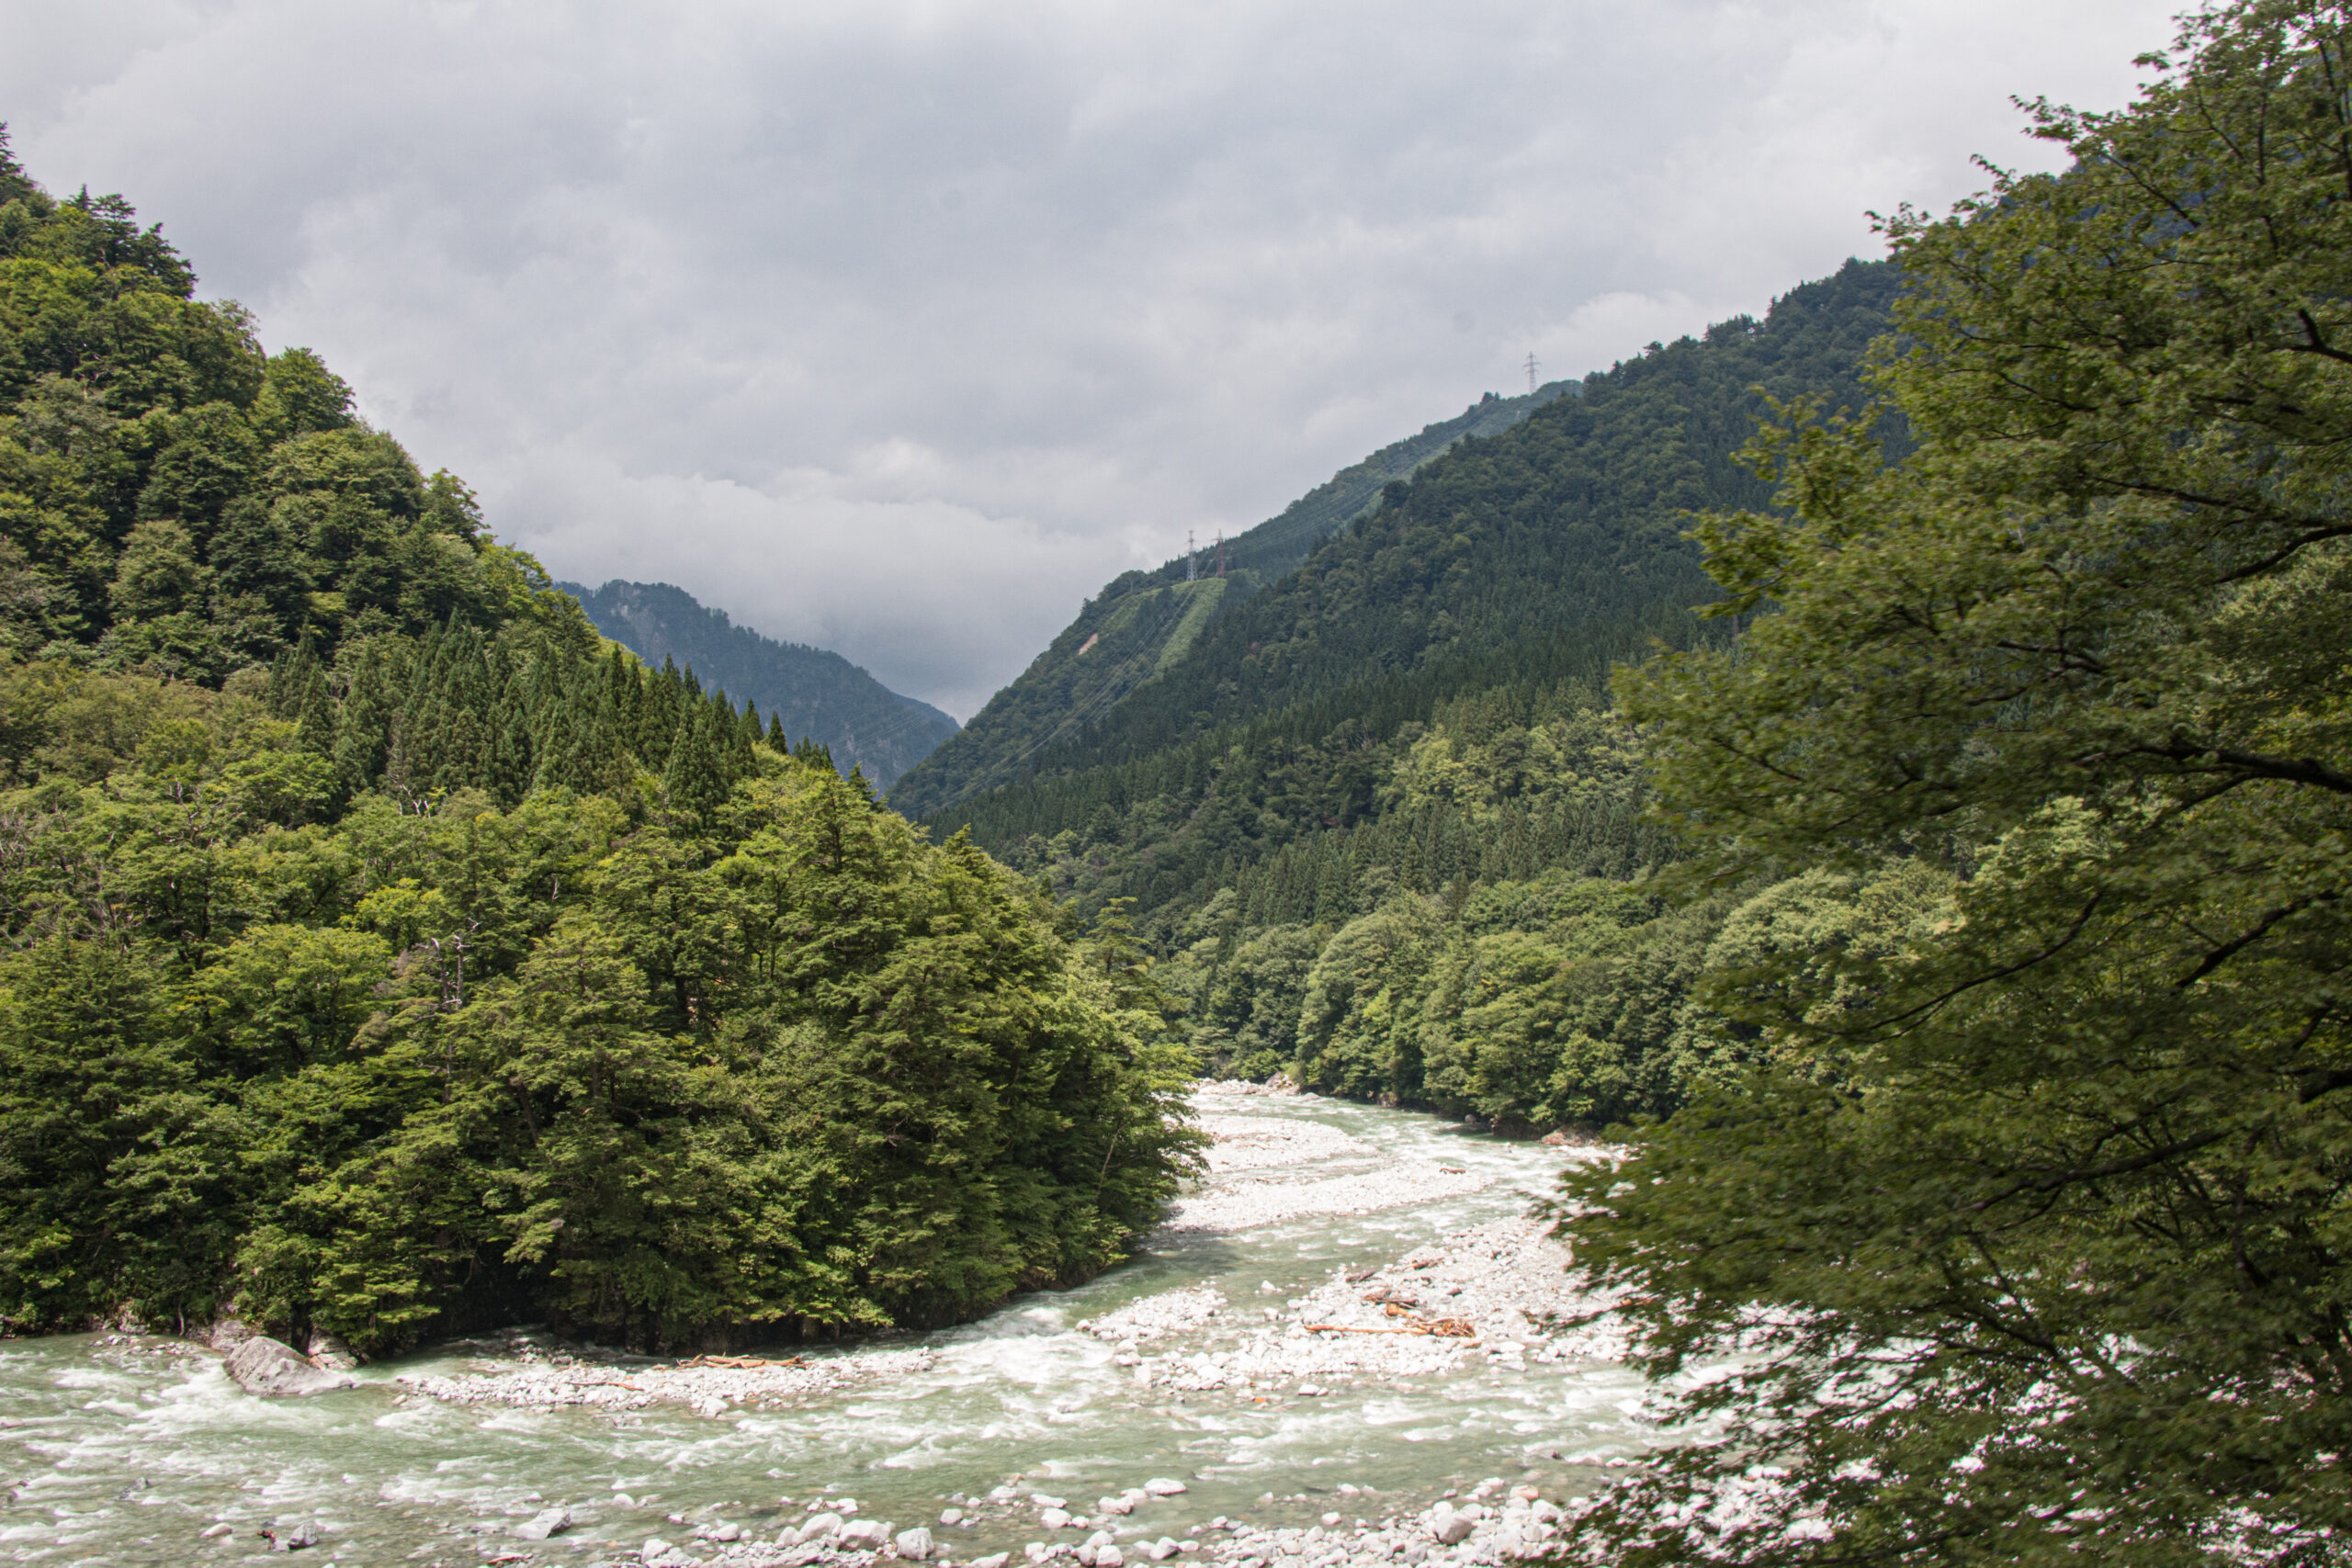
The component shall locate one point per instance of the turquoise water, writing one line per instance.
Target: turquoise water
(124, 1452)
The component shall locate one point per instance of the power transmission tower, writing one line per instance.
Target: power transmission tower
(1192, 558)
(1530, 375)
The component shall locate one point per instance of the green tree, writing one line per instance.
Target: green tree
(2050, 1264)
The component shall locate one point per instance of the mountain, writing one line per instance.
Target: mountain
(1375, 817)
(818, 694)
(1520, 559)
(1143, 623)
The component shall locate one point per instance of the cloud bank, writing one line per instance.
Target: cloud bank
(900, 326)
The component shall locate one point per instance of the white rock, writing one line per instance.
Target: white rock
(1045, 1502)
(914, 1544)
(865, 1534)
(1163, 1487)
(1544, 1512)
(820, 1526)
(1109, 1557)
(545, 1523)
(1331, 1520)
(951, 1515)
(1160, 1551)
(1455, 1529)
(1114, 1505)
(993, 1560)
(264, 1366)
(654, 1547)
(223, 1528)
(1054, 1519)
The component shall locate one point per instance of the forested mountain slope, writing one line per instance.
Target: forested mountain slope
(1510, 565)
(384, 956)
(1376, 818)
(1143, 622)
(814, 692)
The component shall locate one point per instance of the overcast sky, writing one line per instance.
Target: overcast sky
(900, 326)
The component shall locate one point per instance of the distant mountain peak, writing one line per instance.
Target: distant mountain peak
(816, 692)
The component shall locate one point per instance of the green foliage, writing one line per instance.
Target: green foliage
(2027, 1231)
(385, 955)
(175, 501)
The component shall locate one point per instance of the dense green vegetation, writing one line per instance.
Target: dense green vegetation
(2027, 1228)
(385, 953)
(1143, 622)
(1374, 819)
(814, 694)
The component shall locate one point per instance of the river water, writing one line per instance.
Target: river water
(124, 1452)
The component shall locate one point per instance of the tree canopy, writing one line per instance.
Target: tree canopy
(382, 953)
(2025, 1240)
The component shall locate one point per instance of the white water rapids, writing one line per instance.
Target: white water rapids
(127, 1452)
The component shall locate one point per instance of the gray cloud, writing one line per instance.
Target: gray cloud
(899, 326)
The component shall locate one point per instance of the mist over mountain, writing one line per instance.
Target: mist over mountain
(817, 693)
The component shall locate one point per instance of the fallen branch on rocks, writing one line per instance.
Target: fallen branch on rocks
(1442, 1327)
(740, 1362)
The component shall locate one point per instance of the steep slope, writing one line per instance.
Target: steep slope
(1143, 622)
(1506, 575)
(817, 693)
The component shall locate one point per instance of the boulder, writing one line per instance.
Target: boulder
(1114, 1505)
(545, 1523)
(1555, 1140)
(1455, 1529)
(817, 1526)
(864, 1535)
(993, 1560)
(914, 1544)
(266, 1366)
(1052, 1519)
(299, 1536)
(329, 1353)
(1163, 1487)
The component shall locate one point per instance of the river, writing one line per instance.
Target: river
(123, 1451)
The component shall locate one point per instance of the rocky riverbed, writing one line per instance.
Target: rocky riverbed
(1349, 1321)
(1492, 1295)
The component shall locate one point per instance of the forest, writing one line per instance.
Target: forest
(1378, 820)
(387, 954)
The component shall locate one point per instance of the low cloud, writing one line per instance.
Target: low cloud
(900, 327)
